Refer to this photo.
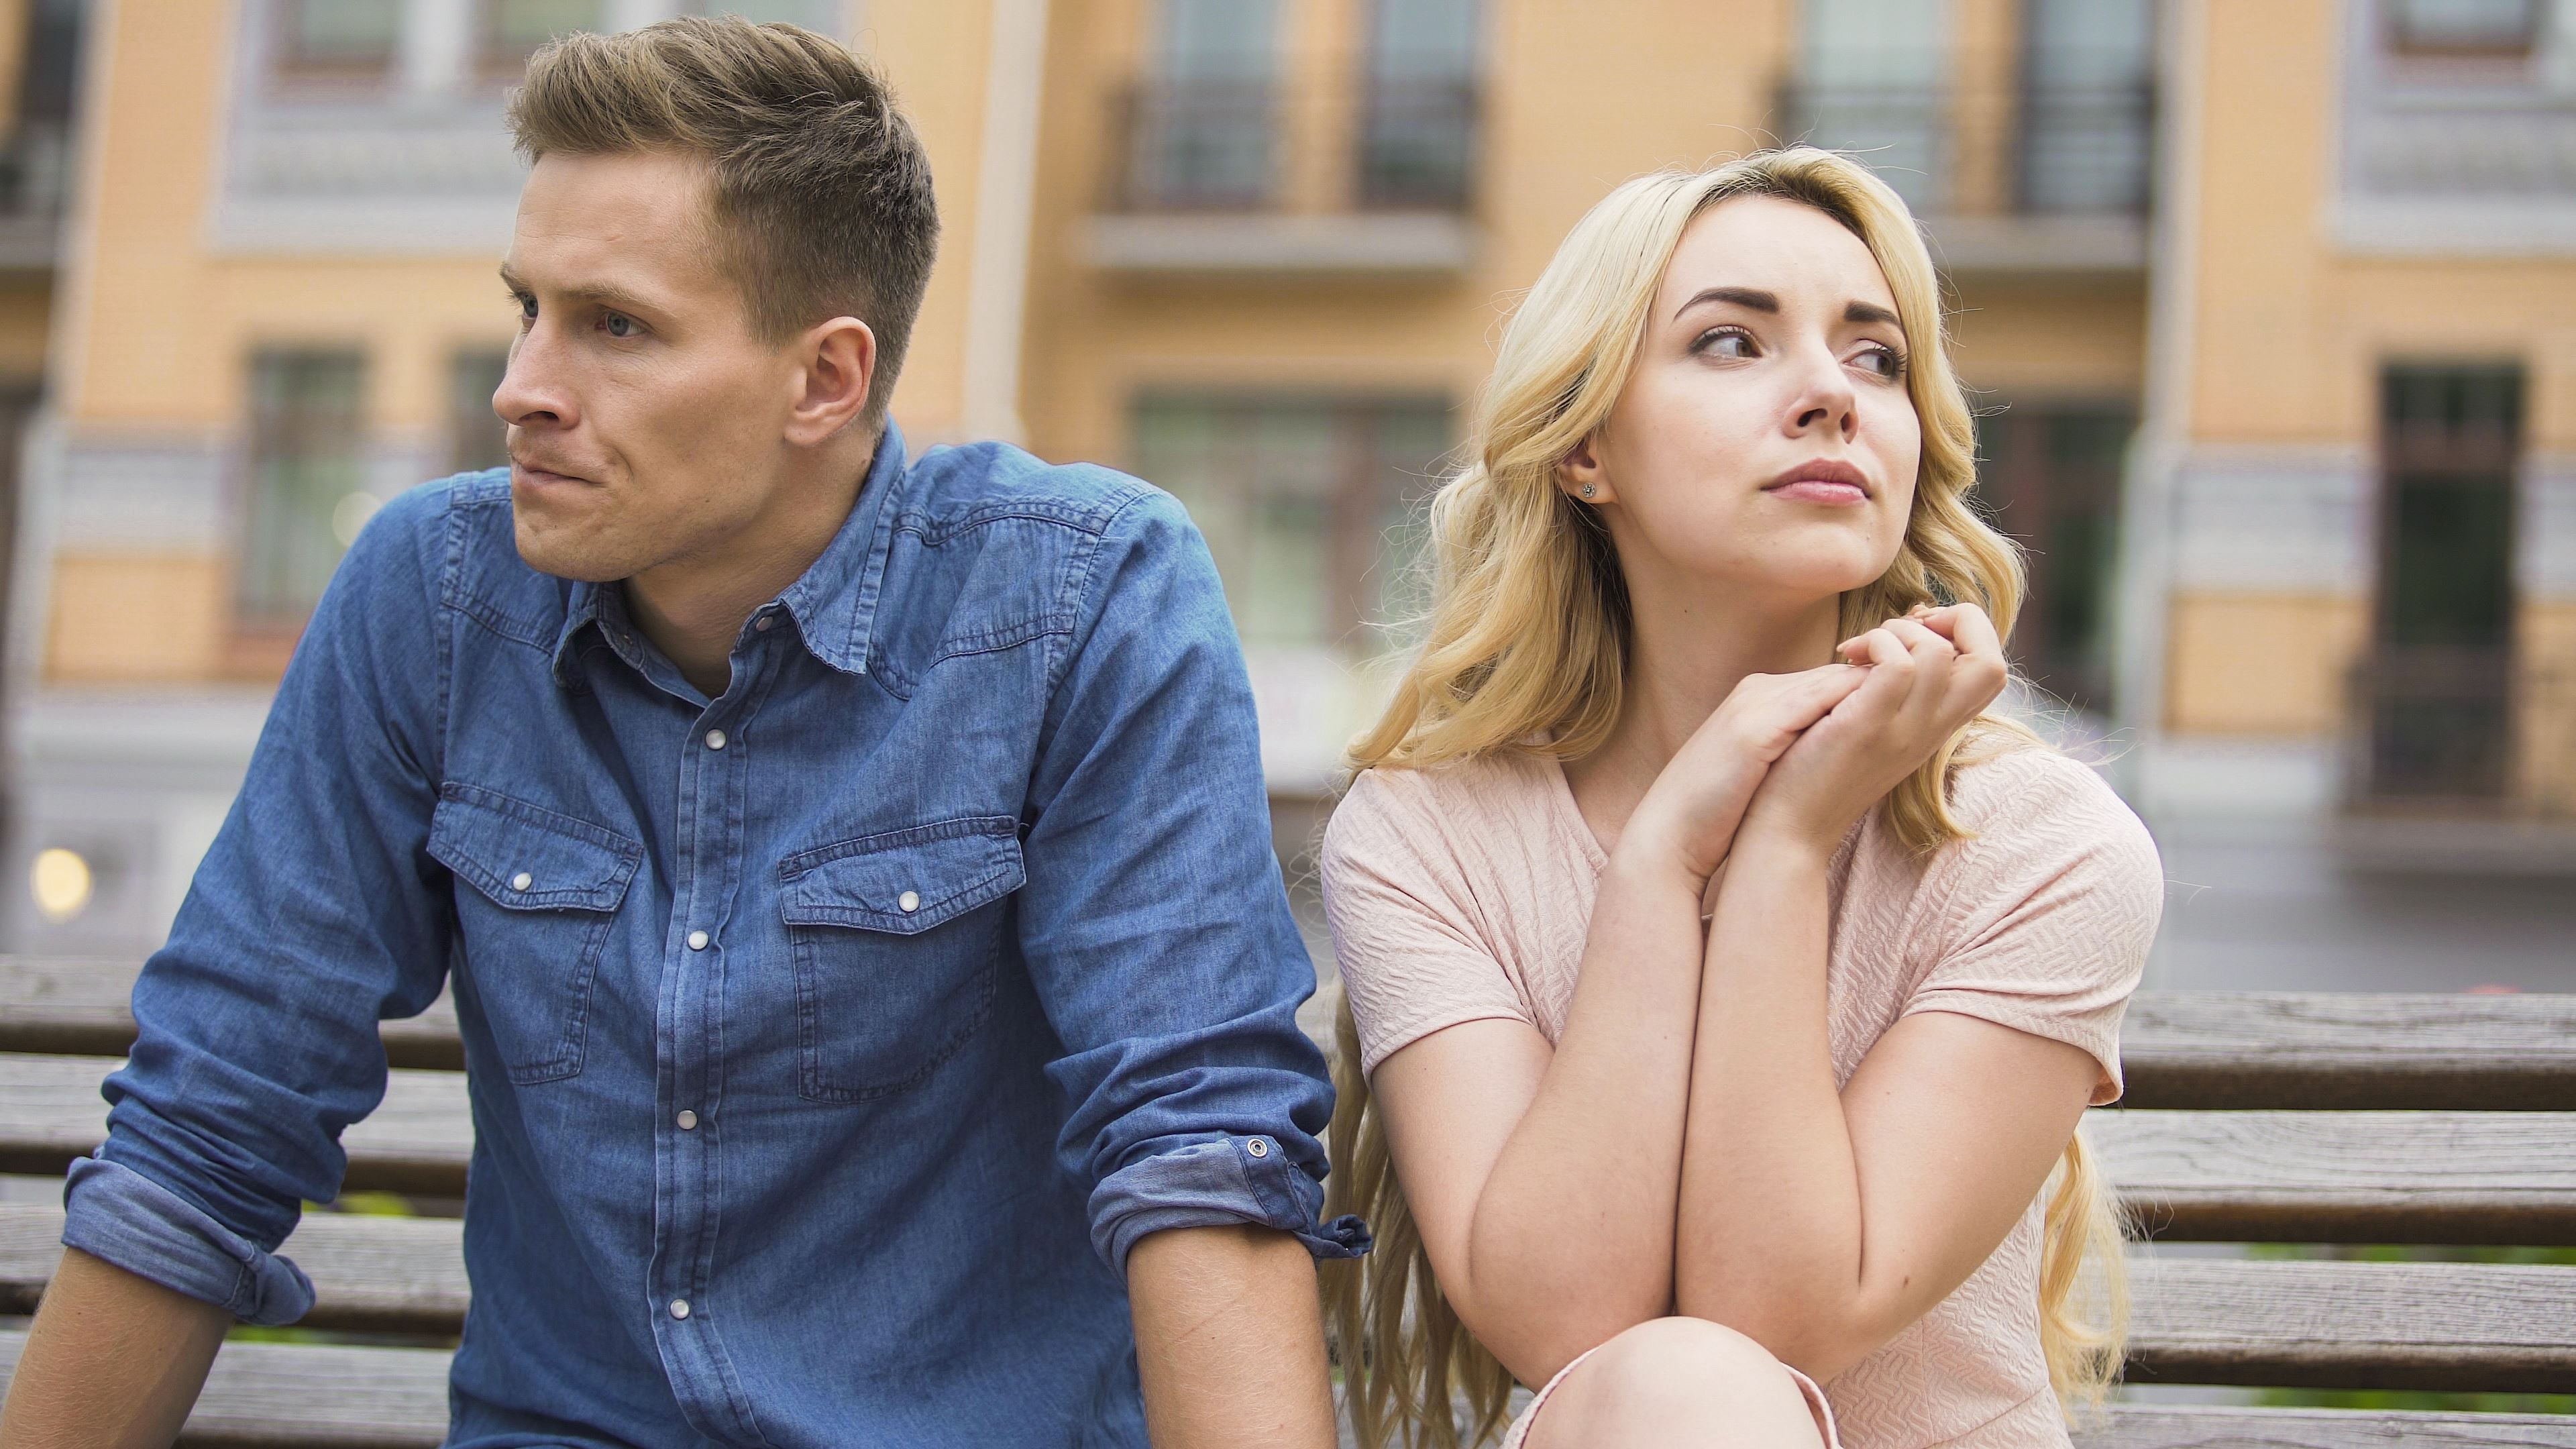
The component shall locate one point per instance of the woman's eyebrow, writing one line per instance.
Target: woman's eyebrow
(1740, 296)
(1760, 301)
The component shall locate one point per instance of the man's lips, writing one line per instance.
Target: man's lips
(1823, 481)
(542, 476)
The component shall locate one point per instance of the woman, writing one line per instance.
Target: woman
(1726, 981)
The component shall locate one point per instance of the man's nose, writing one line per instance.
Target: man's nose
(530, 394)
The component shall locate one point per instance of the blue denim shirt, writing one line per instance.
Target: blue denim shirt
(996, 973)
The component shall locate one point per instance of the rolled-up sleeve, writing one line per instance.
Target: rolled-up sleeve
(1154, 922)
(315, 914)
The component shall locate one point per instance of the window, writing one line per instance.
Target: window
(2437, 692)
(2049, 475)
(307, 494)
(476, 437)
(2086, 121)
(1311, 507)
(1202, 133)
(513, 29)
(1418, 132)
(2500, 29)
(345, 38)
(1870, 82)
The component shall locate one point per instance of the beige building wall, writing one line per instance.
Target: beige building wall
(2299, 299)
(183, 269)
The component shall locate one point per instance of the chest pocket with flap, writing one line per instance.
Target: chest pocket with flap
(898, 940)
(536, 894)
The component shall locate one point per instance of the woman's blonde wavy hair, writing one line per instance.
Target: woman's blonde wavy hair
(1527, 642)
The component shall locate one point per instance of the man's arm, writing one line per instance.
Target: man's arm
(114, 1361)
(1161, 945)
(315, 913)
(1229, 1339)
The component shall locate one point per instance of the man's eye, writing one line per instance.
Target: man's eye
(619, 325)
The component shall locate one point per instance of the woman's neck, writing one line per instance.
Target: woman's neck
(1687, 650)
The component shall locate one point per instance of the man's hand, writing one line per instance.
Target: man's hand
(113, 1362)
(1229, 1339)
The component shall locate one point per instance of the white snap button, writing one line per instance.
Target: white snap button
(679, 1308)
(522, 881)
(687, 1119)
(715, 739)
(761, 624)
(1257, 1147)
(697, 940)
(909, 901)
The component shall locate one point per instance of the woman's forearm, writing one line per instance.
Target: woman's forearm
(1572, 1237)
(1769, 1238)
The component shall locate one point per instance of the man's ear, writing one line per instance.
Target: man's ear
(840, 366)
(1580, 474)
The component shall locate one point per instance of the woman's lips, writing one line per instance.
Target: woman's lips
(1819, 490)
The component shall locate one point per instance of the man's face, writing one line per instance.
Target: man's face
(646, 419)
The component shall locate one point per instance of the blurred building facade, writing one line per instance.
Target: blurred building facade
(2271, 311)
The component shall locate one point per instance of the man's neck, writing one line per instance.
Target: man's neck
(693, 607)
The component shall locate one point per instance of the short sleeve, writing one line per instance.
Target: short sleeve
(2043, 920)
(1412, 956)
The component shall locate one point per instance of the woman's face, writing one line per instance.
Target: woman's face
(1765, 439)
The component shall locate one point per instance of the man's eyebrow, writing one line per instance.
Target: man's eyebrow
(1741, 296)
(606, 294)
(1871, 312)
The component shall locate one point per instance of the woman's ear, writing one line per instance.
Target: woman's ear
(1581, 476)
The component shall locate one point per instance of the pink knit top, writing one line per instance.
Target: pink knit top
(1464, 893)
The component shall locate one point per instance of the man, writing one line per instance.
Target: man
(853, 874)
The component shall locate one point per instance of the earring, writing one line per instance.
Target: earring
(1587, 490)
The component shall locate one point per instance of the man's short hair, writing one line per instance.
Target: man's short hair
(821, 201)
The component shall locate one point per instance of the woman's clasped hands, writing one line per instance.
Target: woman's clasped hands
(1797, 758)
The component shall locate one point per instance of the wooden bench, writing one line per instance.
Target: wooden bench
(2250, 1118)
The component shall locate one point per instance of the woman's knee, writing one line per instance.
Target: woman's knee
(1678, 1381)
(1685, 1354)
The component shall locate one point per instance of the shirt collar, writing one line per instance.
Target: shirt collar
(834, 600)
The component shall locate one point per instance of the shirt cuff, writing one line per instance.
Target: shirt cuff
(114, 1213)
(1216, 1183)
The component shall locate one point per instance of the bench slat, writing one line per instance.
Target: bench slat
(2372, 1177)
(370, 1274)
(2348, 1325)
(2219, 1321)
(2180, 1426)
(79, 1008)
(2350, 1051)
(2345, 1177)
(2219, 1050)
(335, 1397)
(417, 1141)
(311, 1396)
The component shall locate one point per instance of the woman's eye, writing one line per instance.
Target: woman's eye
(526, 307)
(1732, 343)
(619, 325)
(1886, 362)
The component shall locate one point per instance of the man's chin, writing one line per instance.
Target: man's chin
(580, 560)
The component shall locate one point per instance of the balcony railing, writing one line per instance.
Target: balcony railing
(2051, 149)
(1259, 146)
(2461, 732)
